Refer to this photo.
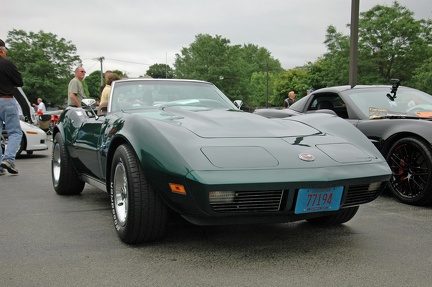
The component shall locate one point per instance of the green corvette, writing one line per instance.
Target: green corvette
(167, 147)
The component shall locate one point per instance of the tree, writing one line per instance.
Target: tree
(46, 64)
(292, 80)
(261, 83)
(160, 71)
(422, 78)
(210, 59)
(93, 84)
(392, 44)
(229, 67)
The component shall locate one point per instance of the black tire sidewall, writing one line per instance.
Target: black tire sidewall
(426, 196)
(68, 183)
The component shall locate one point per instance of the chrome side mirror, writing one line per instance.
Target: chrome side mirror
(88, 102)
(238, 103)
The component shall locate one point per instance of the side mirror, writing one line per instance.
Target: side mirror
(238, 103)
(88, 102)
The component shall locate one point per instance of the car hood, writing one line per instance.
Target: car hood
(26, 109)
(235, 124)
(218, 140)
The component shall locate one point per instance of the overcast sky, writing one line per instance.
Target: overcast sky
(134, 34)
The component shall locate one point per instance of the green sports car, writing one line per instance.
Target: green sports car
(165, 148)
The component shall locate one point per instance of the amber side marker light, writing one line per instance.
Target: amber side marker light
(177, 188)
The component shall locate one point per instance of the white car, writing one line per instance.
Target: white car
(34, 138)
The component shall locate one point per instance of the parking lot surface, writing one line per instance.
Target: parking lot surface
(51, 240)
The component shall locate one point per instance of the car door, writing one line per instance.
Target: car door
(87, 143)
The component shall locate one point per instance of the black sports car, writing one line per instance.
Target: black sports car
(398, 120)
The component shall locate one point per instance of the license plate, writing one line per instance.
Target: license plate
(318, 199)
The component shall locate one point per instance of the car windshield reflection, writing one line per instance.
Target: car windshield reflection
(374, 104)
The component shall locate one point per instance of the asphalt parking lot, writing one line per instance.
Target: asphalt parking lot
(51, 240)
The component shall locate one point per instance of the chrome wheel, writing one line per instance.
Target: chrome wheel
(139, 214)
(120, 193)
(56, 164)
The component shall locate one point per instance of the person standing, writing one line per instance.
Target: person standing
(41, 109)
(109, 78)
(10, 78)
(76, 89)
(289, 100)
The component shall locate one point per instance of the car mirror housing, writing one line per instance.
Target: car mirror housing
(88, 102)
(238, 103)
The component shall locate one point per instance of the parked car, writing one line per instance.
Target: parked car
(398, 120)
(181, 147)
(33, 139)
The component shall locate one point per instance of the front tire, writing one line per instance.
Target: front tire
(342, 216)
(410, 160)
(64, 177)
(138, 212)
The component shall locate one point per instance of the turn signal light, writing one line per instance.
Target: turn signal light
(177, 188)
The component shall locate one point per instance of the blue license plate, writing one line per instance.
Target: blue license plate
(318, 199)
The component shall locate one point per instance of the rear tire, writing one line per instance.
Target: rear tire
(342, 216)
(64, 177)
(138, 212)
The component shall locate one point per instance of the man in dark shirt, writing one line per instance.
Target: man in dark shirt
(289, 100)
(10, 78)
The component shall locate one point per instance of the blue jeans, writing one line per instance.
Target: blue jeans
(10, 116)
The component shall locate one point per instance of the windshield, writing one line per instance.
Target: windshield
(408, 102)
(138, 94)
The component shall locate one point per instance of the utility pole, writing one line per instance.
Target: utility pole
(353, 69)
(267, 85)
(100, 59)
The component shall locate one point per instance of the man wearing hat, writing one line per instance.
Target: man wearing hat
(10, 78)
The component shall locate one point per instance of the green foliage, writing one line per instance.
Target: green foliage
(230, 67)
(392, 44)
(292, 80)
(422, 78)
(45, 63)
(94, 85)
(160, 71)
(261, 86)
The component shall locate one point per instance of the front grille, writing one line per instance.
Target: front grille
(271, 200)
(359, 194)
(248, 201)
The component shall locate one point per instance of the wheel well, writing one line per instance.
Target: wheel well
(391, 140)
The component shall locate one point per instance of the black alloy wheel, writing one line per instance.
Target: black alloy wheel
(410, 160)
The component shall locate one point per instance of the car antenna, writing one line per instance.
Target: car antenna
(395, 85)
